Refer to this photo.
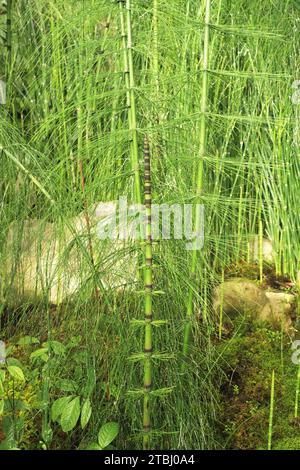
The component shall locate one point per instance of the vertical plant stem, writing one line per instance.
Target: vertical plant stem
(88, 225)
(297, 393)
(222, 305)
(202, 151)
(125, 58)
(260, 250)
(9, 35)
(155, 45)
(271, 415)
(155, 68)
(148, 285)
(133, 118)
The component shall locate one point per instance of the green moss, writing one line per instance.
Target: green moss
(248, 362)
(291, 443)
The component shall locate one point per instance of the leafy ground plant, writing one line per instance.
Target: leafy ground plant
(107, 434)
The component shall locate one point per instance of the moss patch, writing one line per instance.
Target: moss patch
(248, 362)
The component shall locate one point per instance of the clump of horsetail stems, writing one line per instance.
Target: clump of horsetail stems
(130, 85)
(202, 151)
(148, 285)
(148, 282)
(271, 414)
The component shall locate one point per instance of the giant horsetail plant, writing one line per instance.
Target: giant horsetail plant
(199, 182)
(148, 261)
(148, 355)
(148, 285)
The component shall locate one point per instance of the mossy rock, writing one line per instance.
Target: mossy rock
(244, 298)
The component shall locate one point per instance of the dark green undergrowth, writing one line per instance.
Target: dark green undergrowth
(249, 359)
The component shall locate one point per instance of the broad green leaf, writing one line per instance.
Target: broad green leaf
(27, 340)
(16, 373)
(47, 434)
(5, 445)
(11, 361)
(58, 407)
(70, 415)
(93, 446)
(90, 382)
(10, 350)
(1, 407)
(57, 347)
(67, 385)
(85, 413)
(74, 341)
(38, 353)
(16, 405)
(107, 434)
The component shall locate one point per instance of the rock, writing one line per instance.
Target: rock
(245, 297)
(267, 249)
(239, 296)
(279, 309)
(47, 260)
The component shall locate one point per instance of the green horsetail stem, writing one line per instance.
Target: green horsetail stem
(261, 254)
(271, 416)
(155, 45)
(148, 285)
(132, 110)
(8, 33)
(297, 393)
(202, 151)
(88, 226)
(125, 55)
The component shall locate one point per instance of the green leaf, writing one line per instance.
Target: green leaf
(58, 407)
(70, 415)
(1, 407)
(93, 446)
(107, 434)
(67, 385)
(27, 341)
(57, 347)
(16, 373)
(39, 353)
(15, 405)
(85, 413)
(11, 361)
(74, 341)
(90, 382)
(10, 350)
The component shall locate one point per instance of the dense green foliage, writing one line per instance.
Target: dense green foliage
(222, 129)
